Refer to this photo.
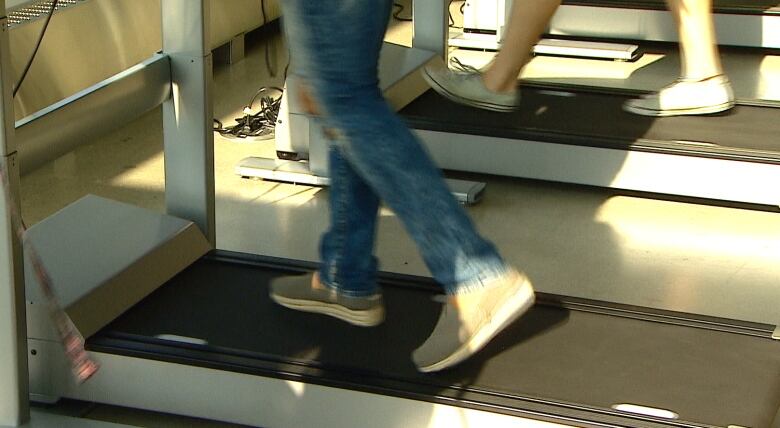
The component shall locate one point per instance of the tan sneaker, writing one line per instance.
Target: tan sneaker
(308, 294)
(686, 97)
(462, 332)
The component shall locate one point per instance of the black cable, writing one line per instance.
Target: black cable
(37, 45)
(396, 14)
(260, 124)
(449, 14)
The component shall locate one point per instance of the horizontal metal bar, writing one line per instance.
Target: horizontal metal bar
(61, 127)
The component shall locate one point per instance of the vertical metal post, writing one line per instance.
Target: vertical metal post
(188, 114)
(14, 406)
(431, 25)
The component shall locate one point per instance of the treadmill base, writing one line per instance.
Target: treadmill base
(297, 172)
(566, 361)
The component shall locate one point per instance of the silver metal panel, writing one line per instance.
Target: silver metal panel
(466, 192)
(47, 369)
(8, 142)
(267, 402)
(14, 409)
(683, 175)
(185, 29)
(319, 160)
(89, 247)
(737, 30)
(431, 25)
(95, 39)
(84, 44)
(59, 128)
(232, 17)
(188, 114)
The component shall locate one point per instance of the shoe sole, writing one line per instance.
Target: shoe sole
(516, 306)
(367, 318)
(441, 90)
(681, 112)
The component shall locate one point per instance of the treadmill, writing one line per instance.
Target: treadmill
(180, 327)
(572, 128)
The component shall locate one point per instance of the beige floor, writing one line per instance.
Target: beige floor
(572, 240)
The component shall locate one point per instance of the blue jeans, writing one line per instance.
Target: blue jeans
(334, 48)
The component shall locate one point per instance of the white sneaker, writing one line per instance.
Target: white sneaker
(466, 87)
(686, 97)
(460, 333)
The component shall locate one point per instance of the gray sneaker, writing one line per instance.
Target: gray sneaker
(460, 334)
(306, 293)
(467, 87)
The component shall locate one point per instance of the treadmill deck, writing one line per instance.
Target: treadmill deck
(573, 359)
(593, 118)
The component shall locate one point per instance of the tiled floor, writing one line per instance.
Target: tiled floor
(572, 240)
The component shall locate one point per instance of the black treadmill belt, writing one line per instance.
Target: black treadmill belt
(597, 119)
(585, 359)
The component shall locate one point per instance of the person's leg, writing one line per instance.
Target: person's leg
(342, 80)
(528, 20)
(485, 294)
(699, 57)
(338, 46)
(702, 87)
(495, 88)
(346, 249)
(345, 285)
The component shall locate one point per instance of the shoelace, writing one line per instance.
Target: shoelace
(457, 65)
